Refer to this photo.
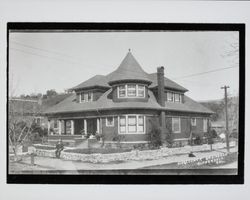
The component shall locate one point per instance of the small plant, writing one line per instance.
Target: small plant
(118, 139)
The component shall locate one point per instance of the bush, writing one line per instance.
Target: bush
(154, 136)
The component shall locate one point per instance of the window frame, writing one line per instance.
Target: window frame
(112, 124)
(179, 121)
(86, 94)
(168, 99)
(179, 100)
(127, 91)
(136, 124)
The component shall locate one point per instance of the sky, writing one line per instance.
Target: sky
(40, 61)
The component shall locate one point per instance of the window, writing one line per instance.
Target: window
(176, 125)
(122, 91)
(110, 121)
(132, 124)
(140, 124)
(141, 91)
(86, 96)
(170, 96)
(131, 90)
(177, 97)
(122, 124)
(193, 121)
(204, 125)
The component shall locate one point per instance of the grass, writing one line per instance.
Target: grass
(96, 150)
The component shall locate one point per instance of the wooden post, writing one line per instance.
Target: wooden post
(98, 125)
(72, 127)
(48, 127)
(60, 127)
(85, 126)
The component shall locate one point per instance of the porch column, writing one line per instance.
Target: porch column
(85, 126)
(60, 127)
(72, 127)
(48, 127)
(98, 125)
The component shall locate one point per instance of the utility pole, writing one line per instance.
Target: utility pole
(227, 132)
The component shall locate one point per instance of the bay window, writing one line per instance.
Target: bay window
(131, 90)
(131, 124)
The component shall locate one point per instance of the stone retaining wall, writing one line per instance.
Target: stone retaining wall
(132, 155)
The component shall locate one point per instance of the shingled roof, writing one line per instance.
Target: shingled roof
(129, 70)
(70, 105)
(169, 84)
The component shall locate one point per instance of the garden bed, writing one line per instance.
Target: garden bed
(97, 151)
(45, 147)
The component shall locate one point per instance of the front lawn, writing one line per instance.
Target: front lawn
(95, 150)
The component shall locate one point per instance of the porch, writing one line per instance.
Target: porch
(71, 129)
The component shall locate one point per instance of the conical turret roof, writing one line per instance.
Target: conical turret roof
(129, 71)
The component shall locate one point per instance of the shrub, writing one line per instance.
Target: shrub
(154, 136)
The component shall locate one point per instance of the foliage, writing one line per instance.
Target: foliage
(50, 93)
(154, 135)
(97, 150)
(169, 136)
(118, 139)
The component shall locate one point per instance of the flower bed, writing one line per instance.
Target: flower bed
(220, 159)
(113, 155)
(96, 151)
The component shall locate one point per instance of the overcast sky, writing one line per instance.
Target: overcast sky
(42, 61)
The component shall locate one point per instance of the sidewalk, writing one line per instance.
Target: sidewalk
(46, 163)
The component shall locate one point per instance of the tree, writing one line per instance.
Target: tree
(51, 93)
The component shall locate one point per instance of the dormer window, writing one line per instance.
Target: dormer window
(177, 97)
(131, 91)
(86, 96)
(170, 96)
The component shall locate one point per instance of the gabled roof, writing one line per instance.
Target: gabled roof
(169, 84)
(128, 70)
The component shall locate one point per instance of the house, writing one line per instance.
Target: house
(31, 109)
(127, 104)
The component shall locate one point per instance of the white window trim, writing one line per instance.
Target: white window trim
(126, 91)
(112, 125)
(179, 125)
(175, 98)
(193, 124)
(91, 96)
(137, 124)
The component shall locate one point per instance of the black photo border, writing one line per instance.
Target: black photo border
(132, 177)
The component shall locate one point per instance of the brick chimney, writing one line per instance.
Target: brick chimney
(161, 100)
(160, 81)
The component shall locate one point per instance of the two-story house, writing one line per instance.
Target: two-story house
(126, 103)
